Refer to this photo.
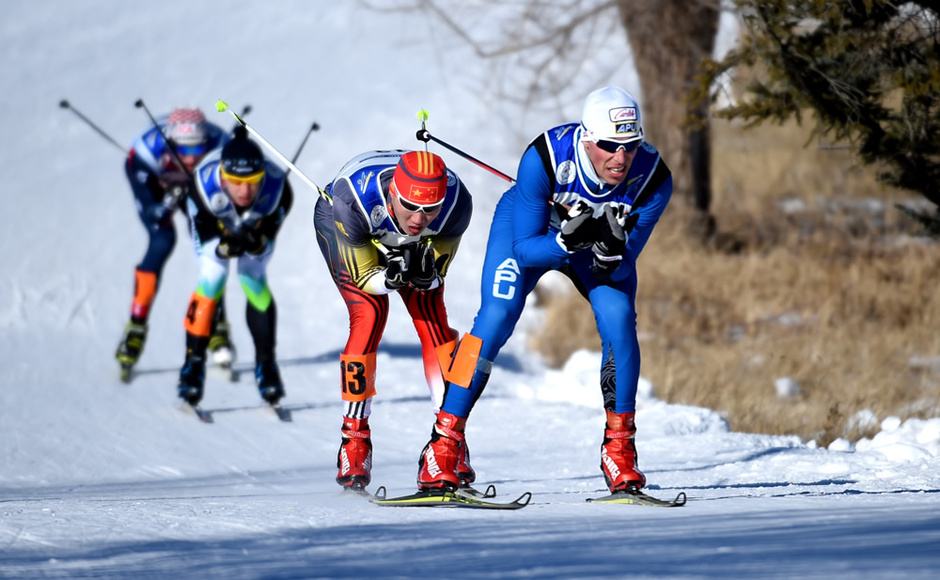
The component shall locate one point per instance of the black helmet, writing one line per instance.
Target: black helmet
(241, 157)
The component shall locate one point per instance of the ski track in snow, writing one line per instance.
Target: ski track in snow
(100, 479)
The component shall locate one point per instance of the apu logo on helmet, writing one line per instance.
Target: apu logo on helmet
(626, 128)
(623, 114)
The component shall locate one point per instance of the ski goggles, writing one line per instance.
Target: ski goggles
(413, 207)
(196, 150)
(614, 146)
(251, 178)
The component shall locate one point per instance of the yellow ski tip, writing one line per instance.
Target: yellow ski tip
(423, 115)
(221, 106)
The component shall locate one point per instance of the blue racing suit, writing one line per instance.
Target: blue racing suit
(523, 244)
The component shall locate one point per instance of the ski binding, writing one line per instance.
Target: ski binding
(461, 498)
(634, 496)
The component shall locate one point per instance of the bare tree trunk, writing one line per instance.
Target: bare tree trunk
(670, 39)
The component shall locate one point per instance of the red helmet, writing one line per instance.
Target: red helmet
(421, 178)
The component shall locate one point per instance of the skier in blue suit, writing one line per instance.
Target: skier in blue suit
(587, 198)
(159, 185)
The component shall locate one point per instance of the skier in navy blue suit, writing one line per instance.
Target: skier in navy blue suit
(587, 198)
(159, 184)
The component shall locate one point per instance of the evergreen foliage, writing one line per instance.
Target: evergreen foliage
(869, 70)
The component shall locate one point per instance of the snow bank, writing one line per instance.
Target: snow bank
(576, 383)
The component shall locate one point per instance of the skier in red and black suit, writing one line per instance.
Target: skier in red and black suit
(390, 221)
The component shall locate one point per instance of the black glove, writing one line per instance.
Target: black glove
(254, 242)
(176, 196)
(578, 229)
(611, 242)
(425, 270)
(398, 263)
(230, 247)
(176, 182)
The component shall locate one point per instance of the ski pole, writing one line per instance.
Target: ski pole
(314, 127)
(64, 104)
(425, 136)
(423, 116)
(221, 106)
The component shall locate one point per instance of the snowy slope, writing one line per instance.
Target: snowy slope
(99, 478)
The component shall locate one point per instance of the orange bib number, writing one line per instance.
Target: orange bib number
(357, 375)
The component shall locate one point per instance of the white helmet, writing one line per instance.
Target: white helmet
(186, 127)
(611, 113)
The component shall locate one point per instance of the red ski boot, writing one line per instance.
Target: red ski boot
(465, 471)
(618, 453)
(437, 466)
(354, 460)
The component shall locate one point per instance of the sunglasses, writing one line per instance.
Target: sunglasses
(614, 146)
(428, 209)
(239, 179)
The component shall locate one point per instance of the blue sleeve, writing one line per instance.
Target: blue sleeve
(649, 213)
(533, 243)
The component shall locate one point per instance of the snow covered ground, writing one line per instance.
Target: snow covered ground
(103, 479)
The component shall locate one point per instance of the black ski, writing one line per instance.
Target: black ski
(202, 414)
(637, 497)
(282, 413)
(462, 498)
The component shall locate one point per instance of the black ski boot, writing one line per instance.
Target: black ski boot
(192, 379)
(269, 381)
(132, 344)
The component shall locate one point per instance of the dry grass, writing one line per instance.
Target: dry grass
(834, 293)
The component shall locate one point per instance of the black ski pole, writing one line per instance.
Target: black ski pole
(425, 136)
(64, 104)
(314, 127)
